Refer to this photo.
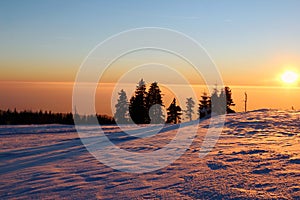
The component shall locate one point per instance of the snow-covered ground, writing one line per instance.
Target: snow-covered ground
(256, 157)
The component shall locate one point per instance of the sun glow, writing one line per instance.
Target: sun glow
(289, 77)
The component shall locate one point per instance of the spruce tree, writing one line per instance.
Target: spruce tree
(204, 105)
(229, 100)
(174, 113)
(218, 102)
(221, 103)
(121, 114)
(138, 107)
(190, 104)
(155, 104)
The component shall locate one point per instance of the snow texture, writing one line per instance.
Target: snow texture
(256, 157)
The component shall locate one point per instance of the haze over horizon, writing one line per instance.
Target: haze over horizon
(44, 43)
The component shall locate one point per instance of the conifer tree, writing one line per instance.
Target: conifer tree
(138, 107)
(204, 105)
(218, 102)
(155, 104)
(190, 104)
(174, 113)
(121, 114)
(229, 100)
(221, 103)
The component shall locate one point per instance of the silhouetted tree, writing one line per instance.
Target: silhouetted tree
(190, 104)
(204, 105)
(138, 107)
(222, 102)
(76, 116)
(29, 117)
(229, 100)
(174, 113)
(121, 114)
(154, 104)
(218, 102)
(105, 119)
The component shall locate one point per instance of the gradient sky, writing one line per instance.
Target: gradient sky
(252, 42)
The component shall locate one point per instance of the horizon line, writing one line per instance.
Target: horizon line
(179, 84)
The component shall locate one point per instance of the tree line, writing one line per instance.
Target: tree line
(146, 107)
(15, 117)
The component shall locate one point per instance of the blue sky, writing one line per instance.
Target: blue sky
(47, 40)
(252, 42)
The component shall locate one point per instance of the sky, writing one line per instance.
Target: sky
(251, 42)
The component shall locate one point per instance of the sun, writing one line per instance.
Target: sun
(289, 77)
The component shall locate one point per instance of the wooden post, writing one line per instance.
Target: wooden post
(246, 99)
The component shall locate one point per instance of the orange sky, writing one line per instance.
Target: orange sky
(57, 96)
(44, 43)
